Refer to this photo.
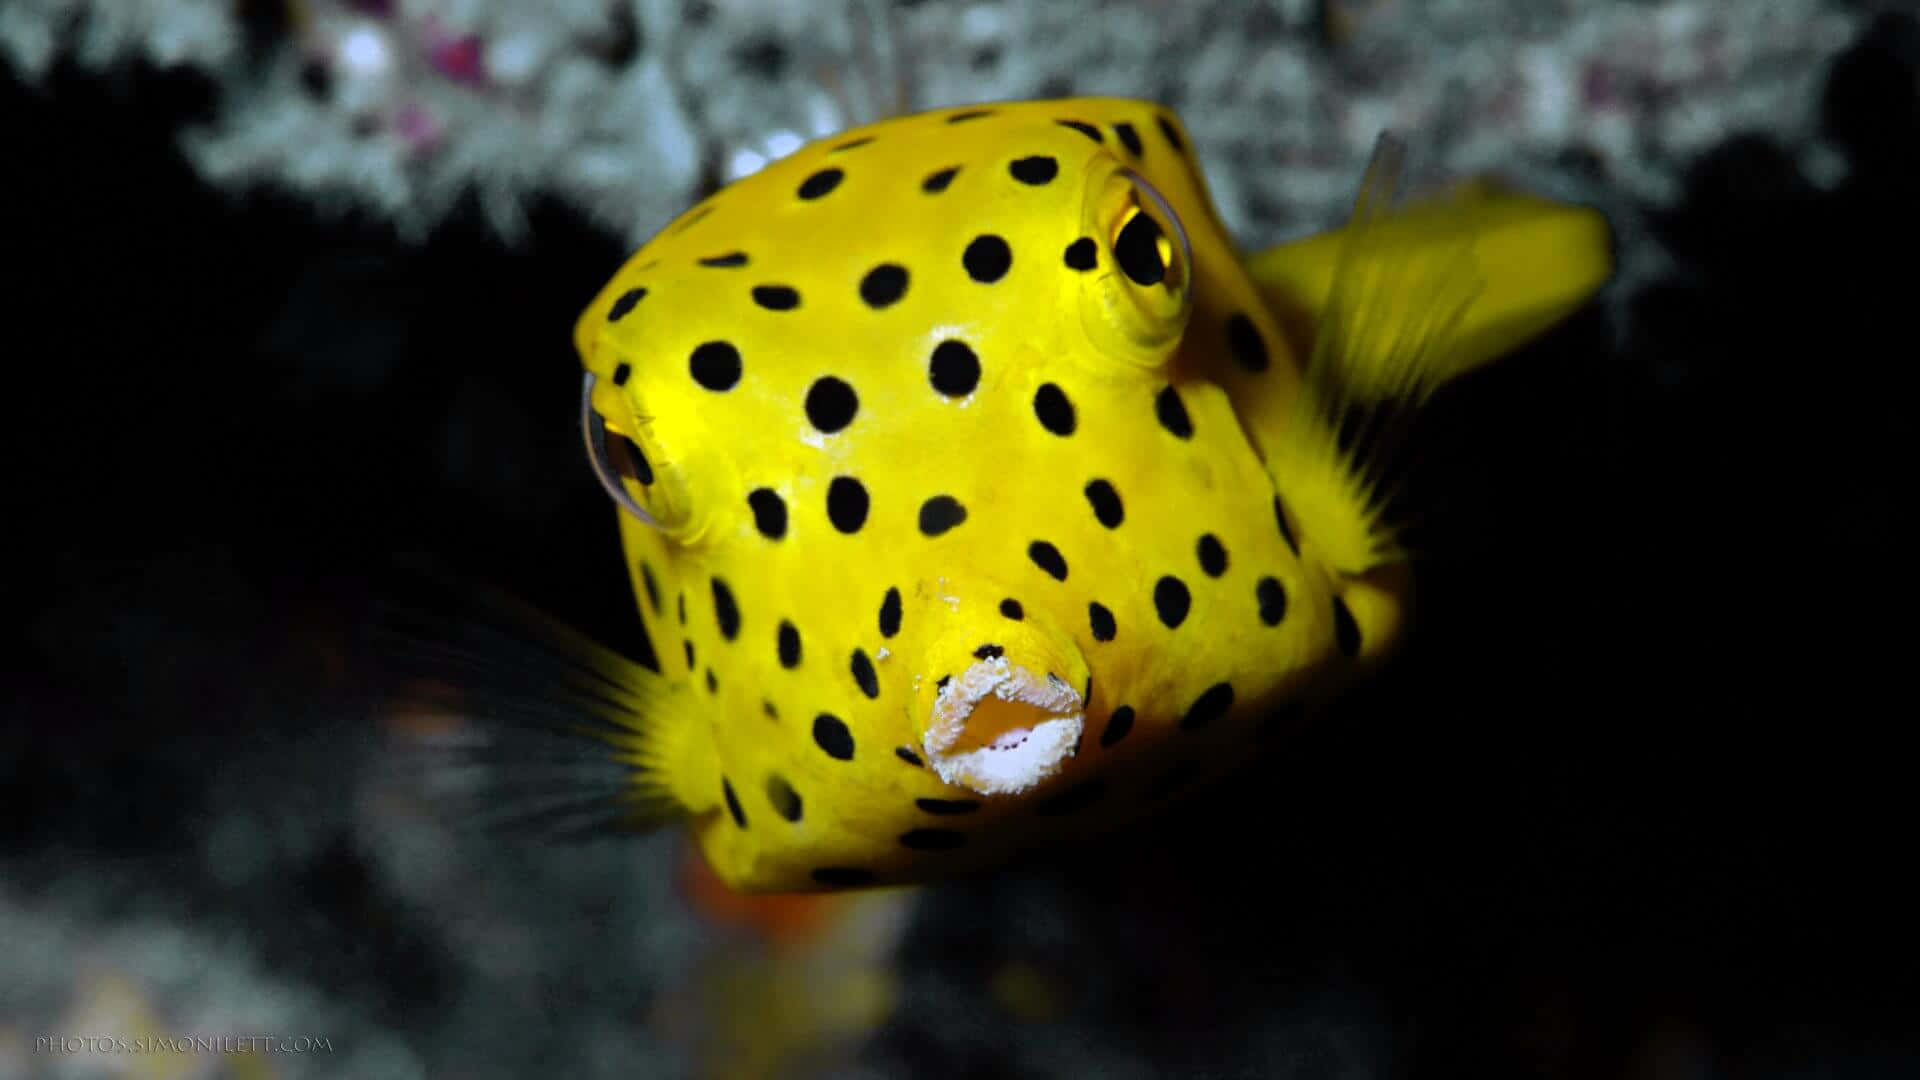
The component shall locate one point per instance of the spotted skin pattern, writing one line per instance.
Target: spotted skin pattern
(942, 388)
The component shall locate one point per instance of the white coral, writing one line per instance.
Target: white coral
(1283, 121)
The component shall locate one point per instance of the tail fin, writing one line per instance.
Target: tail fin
(505, 719)
(1393, 306)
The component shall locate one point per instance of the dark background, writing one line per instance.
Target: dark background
(1635, 786)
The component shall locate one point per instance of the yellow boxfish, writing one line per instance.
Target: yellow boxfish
(977, 492)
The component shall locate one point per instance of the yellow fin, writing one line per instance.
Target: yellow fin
(506, 718)
(1389, 308)
(1535, 261)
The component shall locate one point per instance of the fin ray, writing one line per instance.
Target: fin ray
(508, 720)
(1408, 296)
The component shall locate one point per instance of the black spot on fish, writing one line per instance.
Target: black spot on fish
(1173, 413)
(851, 143)
(785, 800)
(787, 644)
(713, 684)
(1172, 134)
(725, 612)
(1035, 170)
(1011, 609)
(989, 652)
(832, 736)
(1346, 632)
(820, 183)
(776, 297)
(625, 304)
(1106, 503)
(908, 756)
(987, 258)
(715, 365)
(954, 369)
(1118, 725)
(936, 183)
(621, 373)
(683, 609)
(1249, 350)
(1171, 600)
(941, 513)
(970, 114)
(769, 512)
(842, 876)
(1208, 707)
(731, 258)
(686, 647)
(847, 504)
(933, 839)
(1048, 558)
(1129, 138)
(1213, 556)
(1272, 597)
(1280, 519)
(883, 285)
(733, 803)
(1054, 411)
(947, 807)
(1076, 798)
(863, 675)
(1137, 250)
(1100, 621)
(1083, 254)
(1083, 128)
(831, 404)
(653, 587)
(890, 613)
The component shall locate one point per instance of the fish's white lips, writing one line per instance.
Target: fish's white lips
(1017, 760)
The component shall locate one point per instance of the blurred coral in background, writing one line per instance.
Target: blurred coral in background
(626, 108)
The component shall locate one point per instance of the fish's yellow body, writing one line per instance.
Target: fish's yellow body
(991, 494)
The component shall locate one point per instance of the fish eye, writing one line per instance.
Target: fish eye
(1150, 244)
(618, 462)
(1138, 302)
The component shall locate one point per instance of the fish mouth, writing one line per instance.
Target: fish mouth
(998, 729)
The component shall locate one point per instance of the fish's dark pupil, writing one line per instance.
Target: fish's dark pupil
(1137, 250)
(642, 469)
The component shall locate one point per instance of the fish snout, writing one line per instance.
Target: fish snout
(998, 711)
